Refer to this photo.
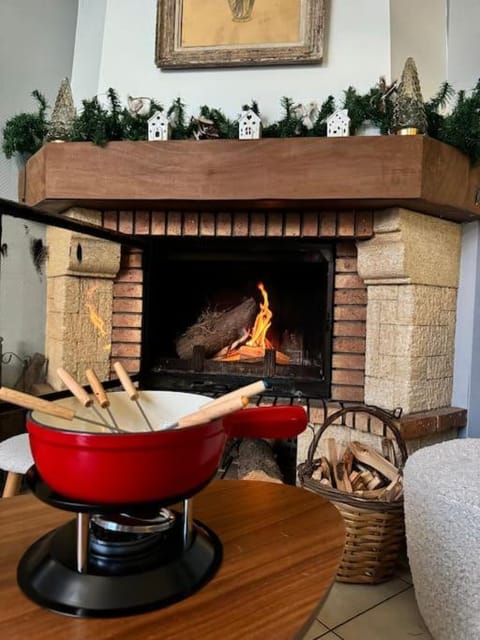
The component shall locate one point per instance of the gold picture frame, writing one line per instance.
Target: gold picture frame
(233, 33)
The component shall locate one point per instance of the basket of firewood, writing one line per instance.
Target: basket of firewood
(365, 483)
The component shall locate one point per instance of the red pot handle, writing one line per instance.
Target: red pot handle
(266, 422)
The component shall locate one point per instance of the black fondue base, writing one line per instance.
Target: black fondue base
(127, 573)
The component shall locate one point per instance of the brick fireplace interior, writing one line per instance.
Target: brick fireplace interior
(307, 263)
(187, 278)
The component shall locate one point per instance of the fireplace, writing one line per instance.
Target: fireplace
(374, 218)
(210, 279)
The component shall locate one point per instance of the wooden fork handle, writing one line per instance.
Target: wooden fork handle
(97, 388)
(77, 390)
(34, 403)
(125, 381)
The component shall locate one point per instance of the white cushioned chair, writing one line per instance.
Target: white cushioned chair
(15, 459)
(442, 519)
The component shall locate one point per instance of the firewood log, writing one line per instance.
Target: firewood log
(343, 482)
(372, 458)
(326, 471)
(213, 331)
(257, 455)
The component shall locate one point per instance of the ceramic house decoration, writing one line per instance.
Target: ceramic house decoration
(338, 124)
(249, 125)
(158, 126)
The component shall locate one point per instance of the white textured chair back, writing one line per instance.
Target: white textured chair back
(15, 459)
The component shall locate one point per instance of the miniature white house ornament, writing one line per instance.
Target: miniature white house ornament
(338, 124)
(249, 125)
(158, 126)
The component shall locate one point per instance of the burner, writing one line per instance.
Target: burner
(132, 564)
(124, 522)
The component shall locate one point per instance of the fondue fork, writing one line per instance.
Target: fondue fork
(100, 394)
(249, 390)
(79, 392)
(35, 403)
(206, 414)
(131, 390)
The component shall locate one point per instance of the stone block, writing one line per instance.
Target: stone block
(395, 340)
(380, 392)
(76, 253)
(412, 247)
(383, 292)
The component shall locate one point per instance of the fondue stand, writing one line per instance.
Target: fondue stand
(115, 560)
(255, 565)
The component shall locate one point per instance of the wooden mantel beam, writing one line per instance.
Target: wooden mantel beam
(415, 172)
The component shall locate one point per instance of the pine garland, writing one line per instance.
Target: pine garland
(25, 133)
(461, 128)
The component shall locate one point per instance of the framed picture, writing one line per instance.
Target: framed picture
(230, 33)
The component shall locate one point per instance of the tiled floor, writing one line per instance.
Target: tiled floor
(370, 612)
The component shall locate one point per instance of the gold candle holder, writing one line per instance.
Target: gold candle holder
(407, 131)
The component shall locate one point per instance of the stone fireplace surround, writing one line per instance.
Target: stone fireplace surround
(396, 277)
(382, 201)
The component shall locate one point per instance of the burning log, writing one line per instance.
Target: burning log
(246, 353)
(214, 330)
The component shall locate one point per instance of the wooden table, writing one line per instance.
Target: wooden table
(282, 546)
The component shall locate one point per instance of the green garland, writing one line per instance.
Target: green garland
(25, 133)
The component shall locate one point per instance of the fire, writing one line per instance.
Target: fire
(252, 345)
(262, 324)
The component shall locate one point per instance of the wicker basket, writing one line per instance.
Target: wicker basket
(375, 530)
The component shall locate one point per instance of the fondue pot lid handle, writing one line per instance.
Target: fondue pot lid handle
(266, 422)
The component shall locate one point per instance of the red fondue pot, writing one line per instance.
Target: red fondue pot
(145, 466)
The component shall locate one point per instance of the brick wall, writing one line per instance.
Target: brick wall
(348, 353)
(349, 324)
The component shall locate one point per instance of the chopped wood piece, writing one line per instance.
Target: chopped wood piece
(326, 471)
(356, 481)
(342, 475)
(369, 456)
(333, 460)
(372, 494)
(388, 450)
(317, 473)
(395, 489)
(348, 460)
(370, 480)
(360, 470)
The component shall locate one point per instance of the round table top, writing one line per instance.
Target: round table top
(281, 549)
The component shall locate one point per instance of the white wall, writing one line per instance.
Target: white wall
(467, 339)
(88, 48)
(463, 43)
(36, 52)
(463, 73)
(419, 30)
(357, 52)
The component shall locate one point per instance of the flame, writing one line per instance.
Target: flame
(262, 324)
(251, 346)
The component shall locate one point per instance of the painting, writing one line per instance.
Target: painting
(229, 33)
